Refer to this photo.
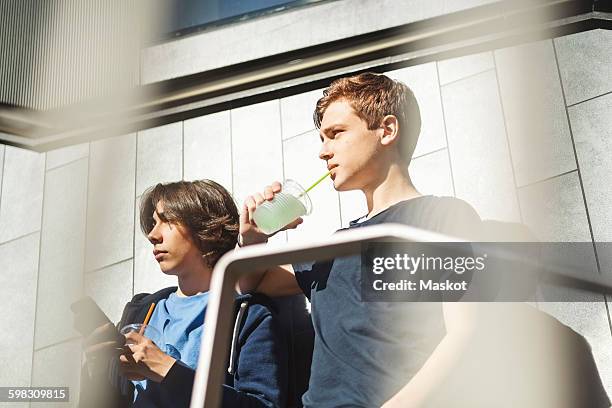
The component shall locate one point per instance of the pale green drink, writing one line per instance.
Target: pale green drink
(286, 206)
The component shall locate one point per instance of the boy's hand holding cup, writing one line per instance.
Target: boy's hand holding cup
(278, 208)
(250, 231)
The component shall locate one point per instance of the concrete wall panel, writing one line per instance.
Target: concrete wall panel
(59, 366)
(208, 149)
(479, 153)
(159, 156)
(257, 148)
(297, 111)
(431, 174)
(60, 280)
(110, 206)
(536, 120)
(21, 206)
(454, 69)
(584, 61)
(111, 288)
(18, 302)
(65, 155)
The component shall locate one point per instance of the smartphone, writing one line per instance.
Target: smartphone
(88, 316)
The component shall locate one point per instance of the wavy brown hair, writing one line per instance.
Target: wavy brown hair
(372, 97)
(206, 208)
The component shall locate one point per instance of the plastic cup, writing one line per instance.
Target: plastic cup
(149, 332)
(291, 203)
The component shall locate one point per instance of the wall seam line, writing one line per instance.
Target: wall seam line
(298, 135)
(507, 138)
(428, 153)
(465, 77)
(135, 212)
(69, 339)
(556, 176)
(108, 266)
(66, 164)
(282, 149)
(589, 99)
(571, 131)
(231, 136)
(448, 154)
(2, 176)
(42, 215)
(608, 312)
(20, 237)
(86, 215)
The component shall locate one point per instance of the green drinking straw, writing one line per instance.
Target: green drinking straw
(323, 177)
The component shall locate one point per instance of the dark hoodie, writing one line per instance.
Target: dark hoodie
(256, 377)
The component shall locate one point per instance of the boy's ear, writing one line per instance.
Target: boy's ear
(390, 127)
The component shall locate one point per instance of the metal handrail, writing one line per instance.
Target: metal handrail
(232, 266)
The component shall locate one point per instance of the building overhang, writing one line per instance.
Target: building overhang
(483, 28)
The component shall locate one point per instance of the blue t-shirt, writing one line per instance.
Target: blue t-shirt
(365, 352)
(180, 321)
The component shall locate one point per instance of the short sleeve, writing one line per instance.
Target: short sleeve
(304, 276)
(312, 275)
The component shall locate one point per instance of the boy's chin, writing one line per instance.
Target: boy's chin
(338, 183)
(167, 269)
(342, 185)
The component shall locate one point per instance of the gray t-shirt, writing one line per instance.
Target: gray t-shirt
(367, 351)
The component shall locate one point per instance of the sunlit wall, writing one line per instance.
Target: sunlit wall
(521, 133)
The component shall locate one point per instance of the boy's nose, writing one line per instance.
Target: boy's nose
(325, 154)
(154, 237)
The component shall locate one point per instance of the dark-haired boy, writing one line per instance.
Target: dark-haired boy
(190, 225)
